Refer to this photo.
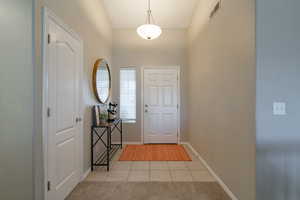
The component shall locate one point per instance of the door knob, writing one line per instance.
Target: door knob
(78, 119)
(146, 106)
(146, 110)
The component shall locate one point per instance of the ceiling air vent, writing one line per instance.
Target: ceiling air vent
(215, 9)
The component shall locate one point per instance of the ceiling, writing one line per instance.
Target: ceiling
(167, 13)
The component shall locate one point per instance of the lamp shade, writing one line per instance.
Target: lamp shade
(149, 31)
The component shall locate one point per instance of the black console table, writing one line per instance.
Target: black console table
(107, 129)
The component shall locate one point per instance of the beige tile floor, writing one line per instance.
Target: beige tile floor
(154, 171)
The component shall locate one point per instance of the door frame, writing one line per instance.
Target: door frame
(176, 67)
(48, 14)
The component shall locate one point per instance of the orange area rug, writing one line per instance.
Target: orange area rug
(154, 152)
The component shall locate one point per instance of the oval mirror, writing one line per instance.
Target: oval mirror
(101, 81)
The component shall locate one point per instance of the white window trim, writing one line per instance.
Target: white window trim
(128, 121)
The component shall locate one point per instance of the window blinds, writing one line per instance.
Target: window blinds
(128, 94)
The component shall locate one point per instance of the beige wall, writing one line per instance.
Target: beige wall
(87, 18)
(131, 50)
(221, 96)
(218, 85)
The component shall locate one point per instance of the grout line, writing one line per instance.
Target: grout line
(128, 173)
(129, 170)
(169, 169)
(171, 176)
(149, 174)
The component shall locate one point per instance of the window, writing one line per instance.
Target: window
(128, 94)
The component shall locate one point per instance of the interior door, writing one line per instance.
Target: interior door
(63, 62)
(161, 105)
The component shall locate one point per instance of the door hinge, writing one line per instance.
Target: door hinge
(49, 38)
(48, 185)
(48, 112)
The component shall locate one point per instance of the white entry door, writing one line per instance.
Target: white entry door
(62, 60)
(161, 105)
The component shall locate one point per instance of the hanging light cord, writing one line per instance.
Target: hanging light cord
(149, 14)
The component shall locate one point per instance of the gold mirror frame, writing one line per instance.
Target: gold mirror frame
(95, 69)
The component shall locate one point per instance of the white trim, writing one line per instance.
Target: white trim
(47, 13)
(81, 107)
(45, 101)
(85, 174)
(128, 121)
(142, 105)
(219, 180)
(178, 98)
(125, 143)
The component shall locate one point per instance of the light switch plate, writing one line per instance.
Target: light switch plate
(279, 108)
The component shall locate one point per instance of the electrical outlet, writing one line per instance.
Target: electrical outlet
(279, 108)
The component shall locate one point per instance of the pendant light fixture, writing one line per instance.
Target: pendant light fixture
(149, 31)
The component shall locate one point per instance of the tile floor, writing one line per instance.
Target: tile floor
(154, 171)
(148, 191)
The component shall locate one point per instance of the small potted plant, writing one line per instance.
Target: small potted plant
(103, 118)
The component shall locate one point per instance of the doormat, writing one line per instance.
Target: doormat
(155, 152)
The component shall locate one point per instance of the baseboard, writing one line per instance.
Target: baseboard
(132, 143)
(142, 143)
(219, 180)
(85, 174)
(185, 143)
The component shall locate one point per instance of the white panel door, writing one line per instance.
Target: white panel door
(161, 105)
(63, 62)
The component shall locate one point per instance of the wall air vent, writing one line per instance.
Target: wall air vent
(215, 9)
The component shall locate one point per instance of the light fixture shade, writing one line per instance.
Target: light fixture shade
(149, 31)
